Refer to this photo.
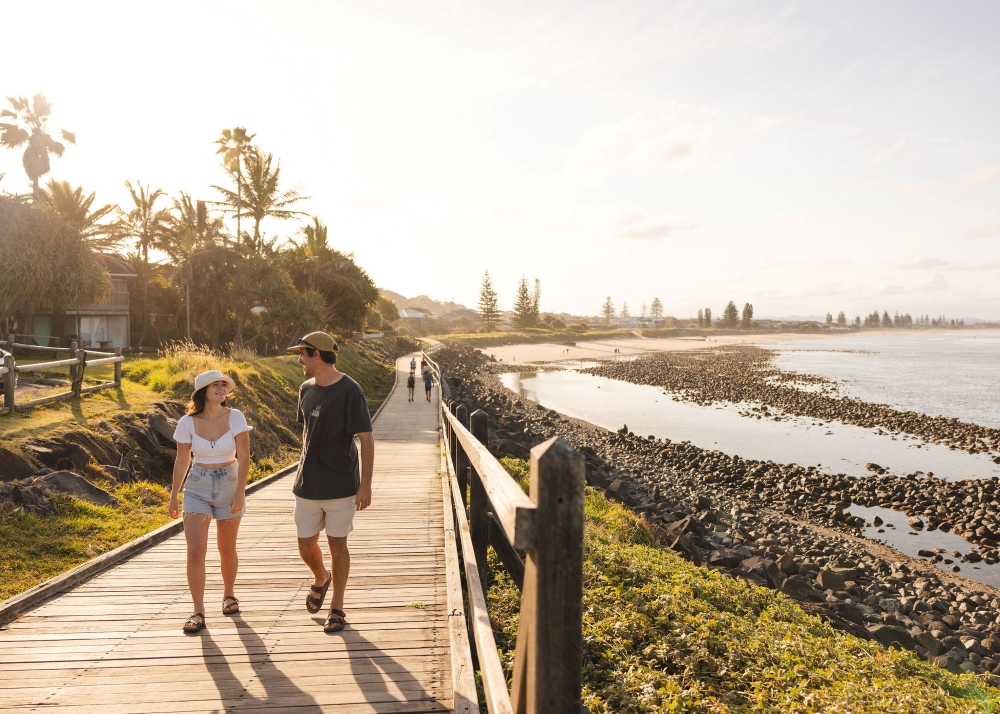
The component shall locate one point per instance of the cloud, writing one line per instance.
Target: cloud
(640, 145)
(780, 219)
(924, 263)
(985, 174)
(897, 154)
(923, 187)
(986, 230)
(640, 227)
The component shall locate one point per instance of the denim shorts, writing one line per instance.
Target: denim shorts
(210, 490)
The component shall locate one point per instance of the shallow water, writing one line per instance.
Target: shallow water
(833, 447)
(955, 374)
(909, 541)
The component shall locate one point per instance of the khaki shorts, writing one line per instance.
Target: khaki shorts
(336, 515)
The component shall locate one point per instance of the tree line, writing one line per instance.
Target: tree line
(526, 306)
(197, 279)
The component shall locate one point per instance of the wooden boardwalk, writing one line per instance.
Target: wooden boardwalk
(114, 643)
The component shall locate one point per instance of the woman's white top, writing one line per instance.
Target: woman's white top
(220, 451)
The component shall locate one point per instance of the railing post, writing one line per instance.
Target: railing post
(72, 355)
(454, 440)
(479, 522)
(8, 380)
(81, 364)
(461, 458)
(118, 367)
(549, 659)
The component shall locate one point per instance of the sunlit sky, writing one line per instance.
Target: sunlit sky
(802, 156)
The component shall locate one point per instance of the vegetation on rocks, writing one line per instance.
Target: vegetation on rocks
(663, 635)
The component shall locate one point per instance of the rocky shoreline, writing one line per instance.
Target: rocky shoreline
(780, 526)
(740, 374)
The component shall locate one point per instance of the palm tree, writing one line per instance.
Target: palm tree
(262, 197)
(147, 226)
(31, 127)
(72, 206)
(189, 232)
(234, 145)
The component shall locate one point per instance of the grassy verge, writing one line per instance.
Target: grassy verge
(663, 635)
(33, 549)
(531, 336)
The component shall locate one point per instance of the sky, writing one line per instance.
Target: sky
(801, 156)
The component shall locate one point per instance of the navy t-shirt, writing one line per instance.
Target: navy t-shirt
(329, 466)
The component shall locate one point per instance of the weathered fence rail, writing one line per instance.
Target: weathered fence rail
(77, 363)
(490, 509)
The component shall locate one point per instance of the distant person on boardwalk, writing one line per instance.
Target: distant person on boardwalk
(411, 384)
(413, 364)
(428, 378)
(331, 484)
(217, 437)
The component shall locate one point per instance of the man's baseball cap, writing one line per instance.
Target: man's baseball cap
(318, 340)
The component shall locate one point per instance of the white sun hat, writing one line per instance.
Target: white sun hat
(213, 375)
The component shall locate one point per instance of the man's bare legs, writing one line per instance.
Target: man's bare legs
(340, 565)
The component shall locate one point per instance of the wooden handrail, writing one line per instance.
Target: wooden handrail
(39, 348)
(513, 508)
(38, 366)
(103, 360)
(549, 651)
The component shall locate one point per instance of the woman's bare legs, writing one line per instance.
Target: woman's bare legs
(226, 531)
(196, 534)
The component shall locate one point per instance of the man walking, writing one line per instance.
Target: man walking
(330, 484)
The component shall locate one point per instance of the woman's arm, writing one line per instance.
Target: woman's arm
(243, 462)
(181, 464)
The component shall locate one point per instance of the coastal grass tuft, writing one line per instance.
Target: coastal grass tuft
(663, 635)
(34, 549)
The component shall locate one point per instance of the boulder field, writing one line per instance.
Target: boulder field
(780, 526)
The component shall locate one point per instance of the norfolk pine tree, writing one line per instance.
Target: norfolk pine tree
(608, 309)
(841, 319)
(730, 315)
(524, 306)
(708, 317)
(656, 309)
(747, 316)
(489, 305)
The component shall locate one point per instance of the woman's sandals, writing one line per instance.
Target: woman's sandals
(230, 605)
(335, 621)
(316, 596)
(195, 623)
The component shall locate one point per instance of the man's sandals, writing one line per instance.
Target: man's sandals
(316, 596)
(230, 605)
(195, 623)
(335, 621)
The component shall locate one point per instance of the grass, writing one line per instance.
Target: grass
(34, 549)
(661, 635)
(530, 336)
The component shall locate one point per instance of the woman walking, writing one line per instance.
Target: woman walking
(217, 438)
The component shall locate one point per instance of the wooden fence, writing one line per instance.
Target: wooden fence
(77, 364)
(492, 510)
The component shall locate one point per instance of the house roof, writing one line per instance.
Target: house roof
(117, 266)
(407, 313)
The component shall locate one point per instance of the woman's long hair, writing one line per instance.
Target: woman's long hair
(196, 405)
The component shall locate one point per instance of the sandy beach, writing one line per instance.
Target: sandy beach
(598, 349)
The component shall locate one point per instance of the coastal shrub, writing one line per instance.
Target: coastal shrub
(663, 635)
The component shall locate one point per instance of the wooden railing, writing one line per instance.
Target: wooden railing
(77, 364)
(491, 510)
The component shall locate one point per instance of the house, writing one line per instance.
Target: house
(100, 326)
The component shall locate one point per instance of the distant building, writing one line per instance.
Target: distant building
(99, 326)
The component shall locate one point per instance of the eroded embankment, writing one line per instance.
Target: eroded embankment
(747, 375)
(776, 525)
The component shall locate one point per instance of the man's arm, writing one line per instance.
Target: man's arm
(364, 497)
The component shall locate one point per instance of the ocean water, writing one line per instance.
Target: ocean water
(956, 374)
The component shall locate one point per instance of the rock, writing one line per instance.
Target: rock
(929, 643)
(59, 455)
(726, 558)
(890, 635)
(798, 588)
(830, 580)
(949, 663)
(31, 499)
(162, 426)
(876, 521)
(13, 467)
(786, 564)
(119, 475)
(74, 485)
(690, 525)
(764, 568)
(685, 547)
(915, 523)
(875, 468)
(991, 643)
(101, 448)
(618, 489)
